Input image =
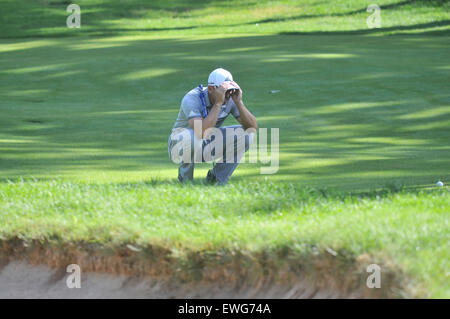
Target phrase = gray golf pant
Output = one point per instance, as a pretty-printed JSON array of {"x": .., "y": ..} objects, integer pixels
[{"x": 223, "y": 170}]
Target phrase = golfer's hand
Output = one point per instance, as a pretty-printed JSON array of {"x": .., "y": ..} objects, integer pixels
[
  {"x": 219, "y": 94},
  {"x": 237, "y": 96}
]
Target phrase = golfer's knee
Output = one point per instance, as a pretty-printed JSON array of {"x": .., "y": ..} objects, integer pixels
[{"x": 183, "y": 146}]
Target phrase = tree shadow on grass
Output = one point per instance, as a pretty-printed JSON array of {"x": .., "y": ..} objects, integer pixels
[
  {"x": 419, "y": 26},
  {"x": 349, "y": 107},
  {"x": 394, "y": 5},
  {"x": 101, "y": 18}
]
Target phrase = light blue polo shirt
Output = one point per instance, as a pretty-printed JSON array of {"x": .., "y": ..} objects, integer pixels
[{"x": 191, "y": 107}]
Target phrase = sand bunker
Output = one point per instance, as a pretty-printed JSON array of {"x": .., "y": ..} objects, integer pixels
[{"x": 21, "y": 280}]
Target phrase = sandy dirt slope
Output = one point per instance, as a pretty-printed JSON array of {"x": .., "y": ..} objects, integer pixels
[{"x": 21, "y": 280}]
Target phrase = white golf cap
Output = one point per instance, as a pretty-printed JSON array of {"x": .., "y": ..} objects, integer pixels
[{"x": 219, "y": 76}]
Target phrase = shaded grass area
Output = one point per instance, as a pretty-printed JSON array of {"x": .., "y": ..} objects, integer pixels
[
  {"x": 408, "y": 229},
  {"x": 47, "y": 18},
  {"x": 354, "y": 112}
]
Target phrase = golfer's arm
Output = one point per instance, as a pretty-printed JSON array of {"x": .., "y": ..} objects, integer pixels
[
  {"x": 207, "y": 122},
  {"x": 246, "y": 119}
]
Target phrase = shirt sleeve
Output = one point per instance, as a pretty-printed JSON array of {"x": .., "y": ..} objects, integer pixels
[
  {"x": 191, "y": 108},
  {"x": 235, "y": 111}
]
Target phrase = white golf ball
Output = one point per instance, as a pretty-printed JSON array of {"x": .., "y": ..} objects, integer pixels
[{"x": 439, "y": 184}]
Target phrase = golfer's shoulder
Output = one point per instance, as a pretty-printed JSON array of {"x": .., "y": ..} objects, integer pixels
[{"x": 191, "y": 98}]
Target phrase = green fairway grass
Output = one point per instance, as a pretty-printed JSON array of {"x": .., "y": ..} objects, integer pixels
[
  {"x": 407, "y": 229},
  {"x": 43, "y": 18},
  {"x": 364, "y": 120},
  {"x": 354, "y": 112}
]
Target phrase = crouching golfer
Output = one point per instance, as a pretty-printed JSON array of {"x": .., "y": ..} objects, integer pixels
[{"x": 202, "y": 110}]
